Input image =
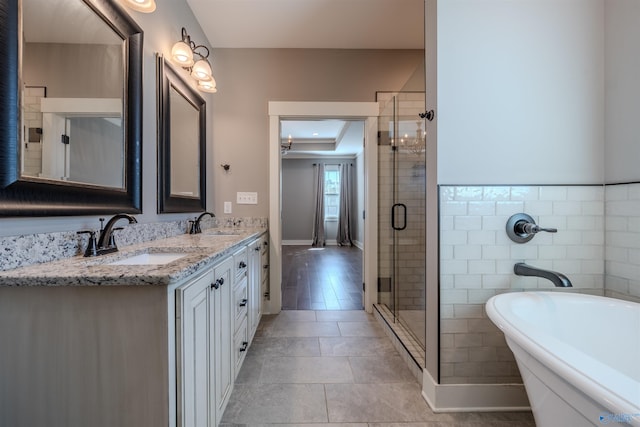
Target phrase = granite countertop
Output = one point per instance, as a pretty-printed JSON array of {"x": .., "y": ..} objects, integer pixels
[{"x": 200, "y": 249}]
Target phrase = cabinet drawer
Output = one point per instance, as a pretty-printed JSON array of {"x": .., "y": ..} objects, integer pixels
[
  {"x": 240, "y": 302},
  {"x": 240, "y": 264},
  {"x": 241, "y": 343}
]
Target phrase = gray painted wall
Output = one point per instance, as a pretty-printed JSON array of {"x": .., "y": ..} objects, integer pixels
[
  {"x": 238, "y": 123},
  {"x": 298, "y": 202}
]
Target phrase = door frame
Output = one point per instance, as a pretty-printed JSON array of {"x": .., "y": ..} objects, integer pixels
[{"x": 365, "y": 111}]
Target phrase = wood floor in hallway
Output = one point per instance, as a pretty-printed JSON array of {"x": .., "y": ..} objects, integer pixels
[{"x": 328, "y": 278}]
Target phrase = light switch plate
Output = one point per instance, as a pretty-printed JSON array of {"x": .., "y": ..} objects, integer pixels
[
  {"x": 227, "y": 207},
  {"x": 247, "y": 198}
]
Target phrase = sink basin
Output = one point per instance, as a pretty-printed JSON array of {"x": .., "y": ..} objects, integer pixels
[{"x": 149, "y": 259}]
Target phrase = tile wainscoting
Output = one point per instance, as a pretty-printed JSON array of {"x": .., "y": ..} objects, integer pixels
[
  {"x": 622, "y": 247},
  {"x": 477, "y": 258}
]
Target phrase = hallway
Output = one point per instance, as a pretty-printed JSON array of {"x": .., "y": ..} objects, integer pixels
[
  {"x": 335, "y": 368},
  {"x": 328, "y": 278}
]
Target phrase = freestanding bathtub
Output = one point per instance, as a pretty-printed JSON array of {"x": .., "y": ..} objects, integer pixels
[{"x": 579, "y": 355}]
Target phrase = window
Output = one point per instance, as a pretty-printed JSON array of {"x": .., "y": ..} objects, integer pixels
[{"x": 331, "y": 192}]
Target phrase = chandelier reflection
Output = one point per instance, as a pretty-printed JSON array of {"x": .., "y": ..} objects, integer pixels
[{"x": 416, "y": 144}]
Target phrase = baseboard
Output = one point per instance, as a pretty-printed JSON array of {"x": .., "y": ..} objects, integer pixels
[
  {"x": 333, "y": 242},
  {"x": 358, "y": 244},
  {"x": 473, "y": 397}
]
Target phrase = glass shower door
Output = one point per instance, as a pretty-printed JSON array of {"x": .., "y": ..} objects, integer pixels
[{"x": 402, "y": 198}]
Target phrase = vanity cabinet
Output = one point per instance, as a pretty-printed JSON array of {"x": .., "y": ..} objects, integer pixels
[
  {"x": 258, "y": 274},
  {"x": 213, "y": 332},
  {"x": 140, "y": 354},
  {"x": 204, "y": 359},
  {"x": 240, "y": 303}
]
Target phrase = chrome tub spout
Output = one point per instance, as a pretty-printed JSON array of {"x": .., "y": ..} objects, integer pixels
[{"x": 558, "y": 279}]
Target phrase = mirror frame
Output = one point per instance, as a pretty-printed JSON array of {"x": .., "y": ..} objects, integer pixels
[
  {"x": 168, "y": 203},
  {"x": 27, "y": 196}
]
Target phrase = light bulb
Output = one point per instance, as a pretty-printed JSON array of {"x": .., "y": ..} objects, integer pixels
[
  {"x": 145, "y": 6},
  {"x": 208, "y": 85},
  {"x": 182, "y": 54},
  {"x": 201, "y": 70}
]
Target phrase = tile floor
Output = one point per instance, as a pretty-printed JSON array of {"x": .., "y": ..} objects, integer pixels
[{"x": 335, "y": 368}]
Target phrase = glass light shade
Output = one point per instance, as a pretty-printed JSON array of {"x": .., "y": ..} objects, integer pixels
[
  {"x": 145, "y": 6},
  {"x": 202, "y": 70},
  {"x": 182, "y": 54},
  {"x": 208, "y": 86}
]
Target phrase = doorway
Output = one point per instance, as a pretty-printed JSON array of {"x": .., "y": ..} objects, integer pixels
[
  {"x": 322, "y": 195},
  {"x": 366, "y": 112}
]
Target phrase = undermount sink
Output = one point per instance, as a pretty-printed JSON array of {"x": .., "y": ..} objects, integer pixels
[{"x": 149, "y": 259}]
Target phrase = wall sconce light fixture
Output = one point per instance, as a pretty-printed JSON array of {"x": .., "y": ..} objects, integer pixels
[
  {"x": 183, "y": 52},
  {"x": 144, "y": 6}
]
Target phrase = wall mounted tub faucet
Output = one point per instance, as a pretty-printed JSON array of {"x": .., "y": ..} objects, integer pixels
[
  {"x": 558, "y": 279},
  {"x": 521, "y": 228}
]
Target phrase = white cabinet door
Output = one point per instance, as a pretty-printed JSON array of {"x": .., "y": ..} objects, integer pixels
[
  {"x": 221, "y": 326},
  {"x": 192, "y": 357},
  {"x": 254, "y": 291}
]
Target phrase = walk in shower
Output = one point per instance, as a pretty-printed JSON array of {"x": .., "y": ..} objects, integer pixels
[{"x": 401, "y": 225}]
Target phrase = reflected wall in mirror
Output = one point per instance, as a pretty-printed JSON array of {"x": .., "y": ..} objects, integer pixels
[
  {"x": 181, "y": 143},
  {"x": 71, "y": 134}
]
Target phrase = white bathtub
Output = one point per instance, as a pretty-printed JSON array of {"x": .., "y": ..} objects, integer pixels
[{"x": 579, "y": 355}]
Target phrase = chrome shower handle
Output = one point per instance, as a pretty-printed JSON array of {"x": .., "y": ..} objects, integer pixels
[
  {"x": 525, "y": 227},
  {"x": 521, "y": 228}
]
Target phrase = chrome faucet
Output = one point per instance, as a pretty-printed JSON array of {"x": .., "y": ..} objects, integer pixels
[
  {"x": 106, "y": 242},
  {"x": 195, "y": 224},
  {"x": 558, "y": 279}
]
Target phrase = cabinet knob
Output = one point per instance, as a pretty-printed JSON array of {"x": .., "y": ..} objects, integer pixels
[
  {"x": 242, "y": 265},
  {"x": 257, "y": 248},
  {"x": 217, "y": 283},
  {"x": 245, "y": 344},
  {"x": 265, "y": 266},
  {"x": 243, "y": 303}
]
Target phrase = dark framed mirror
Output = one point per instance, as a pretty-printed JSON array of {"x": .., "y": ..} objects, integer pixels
[
  {"x": 70, "y": 108},
  {"x": 181, "y": 143}
]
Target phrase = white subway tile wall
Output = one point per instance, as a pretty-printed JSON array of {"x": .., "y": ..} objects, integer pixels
[
  {"x": 622, "y": 254},
  {"x": 477, "y": 258}
]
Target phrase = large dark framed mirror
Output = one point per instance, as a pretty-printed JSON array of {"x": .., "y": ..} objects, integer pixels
[
  {"x": 181, "y": 143},
  {"x": 70, "y": 108}
]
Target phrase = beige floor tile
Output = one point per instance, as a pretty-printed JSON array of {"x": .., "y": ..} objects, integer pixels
[
  {"x": 398, "y": 402},
  {"x": 284, "y": 346},
  {"x": 302, "y": 329},
  {"x": 250, "y": 371},
  {"x": 387, "y": 369},
  {"x": 356, "y": 346},
  {"x": 344, "y": 316},
  {"x": 310, "y": 370},
  {"x": 276, "y": 403},
  {"x": 360, "y": 329}
]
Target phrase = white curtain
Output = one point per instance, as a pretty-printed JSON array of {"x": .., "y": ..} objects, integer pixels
[
  {"x": 344, "y": 218},
  {"x": 318, "y": 238}
]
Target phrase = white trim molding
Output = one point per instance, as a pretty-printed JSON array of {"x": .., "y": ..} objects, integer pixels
[
  {"x": 473, "y": 397},
  {"x": 367, "y": 111}
]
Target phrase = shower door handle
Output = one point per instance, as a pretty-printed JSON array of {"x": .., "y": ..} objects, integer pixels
[{"x": 404, "y": 216}]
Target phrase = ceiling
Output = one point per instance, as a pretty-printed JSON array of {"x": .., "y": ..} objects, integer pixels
[
  {"x": 314, "y": 24},
  {"x": 326, "y": 137},
  {"x": 321, "y": 24}
]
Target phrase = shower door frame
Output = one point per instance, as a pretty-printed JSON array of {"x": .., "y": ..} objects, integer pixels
[{"x": 397, "y": 203}]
